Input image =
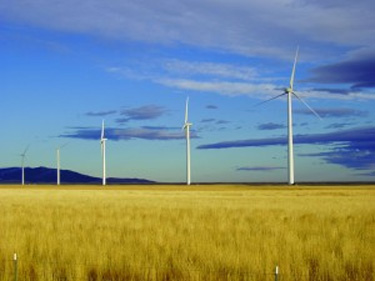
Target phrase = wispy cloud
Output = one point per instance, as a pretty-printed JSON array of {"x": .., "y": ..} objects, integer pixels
[
  {"x": 338, "y": 125},
  {"x": 222, "y": 25},
  {"x": 146, "y": 112},
  {"x": 221, "y": 122},
  {"x": 262, "y": 88},
  {"x": 260, "y": 169},
  {"x": 337, "y": 91},
  {"x": 361, "y": 134},
  {"x": 161, "y": 128},
  {"x": 211, "y": 106},
  {"x": 334, "y": 112},
  {"x": 117, "y": 134},
  {"x": 270, "y": 126},
  {"x": 208, "y": 120},
  {"x": 101, "y": 113},
  {"x": 227, "y": 80},
  {"x": 367, "y": 174},
  {"x": 353, "y": 155},
  {"x": 358, "y": 72},
  {"x": 209, "y": 69},
  {"x": 352, "y": 148},
  {"x": 222, "y": 87}
]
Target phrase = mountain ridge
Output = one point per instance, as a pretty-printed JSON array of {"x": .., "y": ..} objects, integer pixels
[{"x": 45, "y": 175}]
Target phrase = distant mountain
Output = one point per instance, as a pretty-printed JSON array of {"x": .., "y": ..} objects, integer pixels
[{"x": 48, "y": 175}]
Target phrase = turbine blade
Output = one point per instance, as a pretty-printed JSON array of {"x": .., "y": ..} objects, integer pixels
[
  {"x": 23, "y": 157},
  {"x": 308, "y": 106},
  {"x": 102, "y": 134},
  {"x": 65, "y": 144},
  {"x": 186, "y": 109},
  {"x": 294, "y": 70},
  {"x": 26, "y": 149},
  {"x": 268, "y": 100}
]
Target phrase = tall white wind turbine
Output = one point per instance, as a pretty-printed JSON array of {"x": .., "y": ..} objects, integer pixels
[
  {"x": 23, "y": 156},
  {"x": 102, "y": 145},
  {"x": 186, "y": 127},
  {"x": 58, "y": 162},
  {"x": 289, "y": 92}
]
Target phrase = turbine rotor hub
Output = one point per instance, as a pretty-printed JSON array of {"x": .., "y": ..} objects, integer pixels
[{"x": 288, "y": 90}]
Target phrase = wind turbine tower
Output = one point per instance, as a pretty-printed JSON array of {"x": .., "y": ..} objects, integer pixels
[
  {"x": 102, "y": 145},
  {"x": 23, "y": 156},
  {"x": 186, "y": 127},
  {"x": 289, "y": 92},
  {"x": 58, "y": 163}
]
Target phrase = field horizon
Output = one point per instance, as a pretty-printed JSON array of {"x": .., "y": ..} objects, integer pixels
[{"x": 196, "y": 185}]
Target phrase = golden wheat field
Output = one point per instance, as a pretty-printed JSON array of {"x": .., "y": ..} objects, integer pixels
[{"x": 208, "y": 232}]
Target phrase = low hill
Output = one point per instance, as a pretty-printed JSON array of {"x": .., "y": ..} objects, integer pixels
[{"x": 43, "y": 175}]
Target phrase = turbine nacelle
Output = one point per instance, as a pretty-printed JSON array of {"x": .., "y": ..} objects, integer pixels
[
  {"x": 187, "y": 124},
  {"x": 288, "y": 90},
  {"x": 23, "y": 154}
]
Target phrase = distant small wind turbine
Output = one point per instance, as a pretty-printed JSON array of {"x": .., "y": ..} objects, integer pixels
[
  {"x": 290, "y": 92},
  {"x": 58, "y": 162},
  {"x": 186, "y": 127},
  {"x": 23, "y": 156},
  {"x": 102, "y": 145}
]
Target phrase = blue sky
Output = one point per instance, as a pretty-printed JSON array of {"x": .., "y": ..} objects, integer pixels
[{"x": 66, "y": 65}]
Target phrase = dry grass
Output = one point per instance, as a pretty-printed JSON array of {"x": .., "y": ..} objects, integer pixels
[{"x": 180, "y": 233}]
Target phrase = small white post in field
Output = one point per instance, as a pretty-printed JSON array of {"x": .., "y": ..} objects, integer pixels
[
  {"x": 15, "y": 261},
  {"x": 277, "y": 273}
]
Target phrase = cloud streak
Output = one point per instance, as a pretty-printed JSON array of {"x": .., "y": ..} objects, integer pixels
[
  {"x": 334, "y": 112},
  {"x": 146, "y": 112},
  {"x": 261, "y": 89},
  {"x": 118, "y": 134},
  {"x": 225, "y": 79},
  {"x": 358, "y": 71},
  {"x": 352, "y": 148},
  {"x": 208, "y": 120},
  {"x": 223, "y": 25},
  {"x": 100, "y": 113},
  {"x": 352, "y": 155},
  {"x": 362, "y": 135},
  {"x": 270, "y": 126},
  {"x": 209, "y": 69},
  {"x": 260, "y": 169},
  {"x": 338, "y": 125},
  {"x": 222, "y": 87},
  {"x": 211, "y": 106}
]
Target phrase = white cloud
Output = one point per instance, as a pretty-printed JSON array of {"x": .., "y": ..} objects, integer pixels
[
  {"x": 222, "y": 87},
  {"x": 259, "y": 91},
  {"x": 252, "y": 27},
  {"x": 224, "y": 79},
  {"x": 210, "y": 69},
  {"x": 351, "y": 95}
]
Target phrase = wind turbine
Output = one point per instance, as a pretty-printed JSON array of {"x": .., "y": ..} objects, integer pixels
[
  {"x": 58, "y": 162},
  {"x": 102, "y": 145},
  {"x": 186, "y": 127},
  {"x": 289, "y": 92},
  {"x": 23, "y": 156}
]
